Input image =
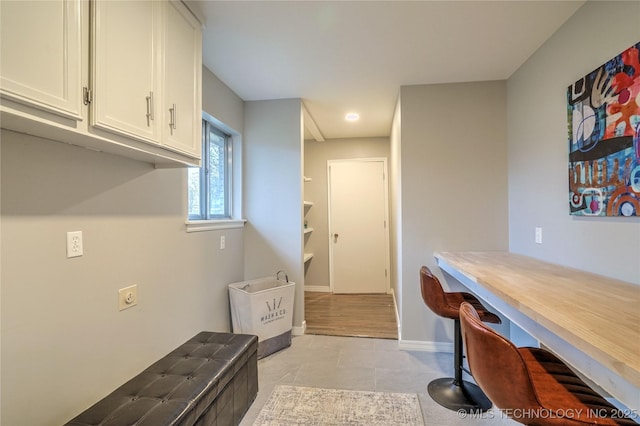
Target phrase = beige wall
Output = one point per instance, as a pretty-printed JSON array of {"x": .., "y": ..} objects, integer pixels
[
  {"x": 226, "y": 110},
  {"x": 395, "y": 209},
  {"x": 64, "y": 343},
  {"x": 273, "y": 193},
  {"x": 316, "y": 155},
  {"x": 454, "y": 186},
  {"x": 221, "y": 102},
  {"x": 538, "y": 147}
]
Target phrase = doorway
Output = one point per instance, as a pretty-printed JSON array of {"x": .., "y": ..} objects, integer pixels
[
  {"x": 354, "y": 315},
  {"x": 358, "y": 226}
]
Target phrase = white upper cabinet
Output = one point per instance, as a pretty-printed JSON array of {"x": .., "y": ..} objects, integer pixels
[
  {"x": 125, "y": 68},
  {"x": 117, "y": 76},
  {"x": 182, "y": 77},
  {"x": 147, "y": 65},
  {"x": 40, "y": 61}
]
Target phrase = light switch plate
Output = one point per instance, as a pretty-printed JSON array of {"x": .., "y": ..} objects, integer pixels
[{"x": 538, "y": 235}]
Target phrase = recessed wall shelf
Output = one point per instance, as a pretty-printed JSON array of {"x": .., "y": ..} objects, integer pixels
[{"x": 306, "y": 232}]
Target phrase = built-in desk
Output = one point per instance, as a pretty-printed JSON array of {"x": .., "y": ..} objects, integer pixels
[{"x": 590, "y": 321}]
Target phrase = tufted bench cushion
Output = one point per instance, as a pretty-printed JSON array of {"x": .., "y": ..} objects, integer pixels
[{"x": 211, "y": 379}]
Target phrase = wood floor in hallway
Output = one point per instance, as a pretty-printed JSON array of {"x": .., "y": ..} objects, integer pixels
[{"x": 359, "y": 315}]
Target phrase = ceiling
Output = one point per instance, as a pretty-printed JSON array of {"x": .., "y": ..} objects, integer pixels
[{"x": 353, "y": 56}]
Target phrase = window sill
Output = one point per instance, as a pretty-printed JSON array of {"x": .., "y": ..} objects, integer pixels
[{"x": 214, "y": 225}]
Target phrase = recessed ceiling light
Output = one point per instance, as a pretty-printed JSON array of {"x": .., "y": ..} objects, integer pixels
[{"x": 352, "y": 116}]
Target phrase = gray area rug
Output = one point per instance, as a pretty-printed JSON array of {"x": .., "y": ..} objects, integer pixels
[{"x": 294, "y": 405}]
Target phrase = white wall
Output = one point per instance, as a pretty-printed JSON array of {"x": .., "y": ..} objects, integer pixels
[
  {"x": 395, "y": 209},
  {"x": 538, "y": 147},
  {"x": 221, "y": 102},
  {"x": 273, "y": 155},
  {"x": 226, "y": 110},
  {"x": 65, "y": 345},
  {"x": 454, "y": 186},
  {"x": 64, "y": 342},
  {"x": 316, "y": 155}
]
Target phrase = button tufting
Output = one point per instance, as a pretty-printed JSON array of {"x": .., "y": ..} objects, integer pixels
[{"x": 188, "y": 359}]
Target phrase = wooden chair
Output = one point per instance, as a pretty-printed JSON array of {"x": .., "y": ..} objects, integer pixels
[
  {"x": 453, "y": 392},
  {"x": 531, "y": 385}
]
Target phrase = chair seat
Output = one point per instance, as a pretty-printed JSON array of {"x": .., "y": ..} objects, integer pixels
[
  {"x": 453, "y": 392},
  {"x": 564, "y": 397},
  {"x": 455, "y": 299},
  {"x": 531, "y": 385}
]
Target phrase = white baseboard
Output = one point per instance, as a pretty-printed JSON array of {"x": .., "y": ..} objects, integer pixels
[
  {"x": 299, "y": 331},
  {"x": 317, "y": 288},
  {"x": 417, "y": 345},
  {"x": 395, "y": 307}
]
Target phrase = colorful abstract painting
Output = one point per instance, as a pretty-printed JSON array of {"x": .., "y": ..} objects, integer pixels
[{"x": 603, "y": 114}]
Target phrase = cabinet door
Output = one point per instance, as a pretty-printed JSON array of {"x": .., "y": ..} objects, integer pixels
[
  {"x": 40, "y": 55},
  {"x": 125, "y": 56},
  {"x": 182, "y": 80}
]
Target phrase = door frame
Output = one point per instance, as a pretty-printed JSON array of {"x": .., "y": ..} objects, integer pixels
[{"x": 387, "y": 253}]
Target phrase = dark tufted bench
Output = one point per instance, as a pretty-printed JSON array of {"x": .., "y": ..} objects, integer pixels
[{"x": 211, "y": 379}]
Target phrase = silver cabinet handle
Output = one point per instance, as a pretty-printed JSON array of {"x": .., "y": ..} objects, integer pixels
[
  {"x": 174, "y": 115},
  {"x": 149, "y": 108}
]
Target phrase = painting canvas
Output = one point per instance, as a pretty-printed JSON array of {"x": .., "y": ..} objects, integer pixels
[{"x": 603, "y": 114}]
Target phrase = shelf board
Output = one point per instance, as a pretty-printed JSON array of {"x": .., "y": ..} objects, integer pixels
[
  {"x": 308, "y": 203},
  {"x": 307, "y": 179},
  {"x": 307, "y": 257},
  {"x": 308, "y": 230}
]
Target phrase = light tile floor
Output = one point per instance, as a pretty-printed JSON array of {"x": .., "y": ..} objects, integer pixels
[{"x": 362, "y": 364}]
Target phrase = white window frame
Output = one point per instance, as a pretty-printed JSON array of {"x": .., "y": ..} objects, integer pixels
[{"x": 228, "y": 221}]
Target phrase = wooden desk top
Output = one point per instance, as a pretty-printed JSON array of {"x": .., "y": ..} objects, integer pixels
[{"x": 598, "y": 315}]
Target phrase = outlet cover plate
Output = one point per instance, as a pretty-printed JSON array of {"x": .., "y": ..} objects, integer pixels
[
  {"x": 127, "y": 297},
  {"x": 74, "y": 244}
]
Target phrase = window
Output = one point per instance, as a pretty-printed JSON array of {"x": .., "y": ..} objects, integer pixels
[{"x": 209, "y": 186}]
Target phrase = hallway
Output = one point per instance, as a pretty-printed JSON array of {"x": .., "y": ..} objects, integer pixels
[{"x": 356, "y": 315}]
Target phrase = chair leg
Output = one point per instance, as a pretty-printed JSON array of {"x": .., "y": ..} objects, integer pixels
[
  {"x": 457, "y": 353},
  {"x": 455, "y": 393}
]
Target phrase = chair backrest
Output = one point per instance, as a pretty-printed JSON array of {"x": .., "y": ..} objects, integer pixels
[
  {"x": 496, "y": 363},
  {"x": 433, "y": 294}
]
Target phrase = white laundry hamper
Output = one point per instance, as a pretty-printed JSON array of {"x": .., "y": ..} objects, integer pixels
[{"x": 264, "y": 307}]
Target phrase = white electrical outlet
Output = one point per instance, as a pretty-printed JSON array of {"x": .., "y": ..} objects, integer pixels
[
  {"x": 127, "y": 297},
  {"x": 74, "y": 244},
  {"x": 223, "y": 242},
  {"x": 538, "y": 235}
]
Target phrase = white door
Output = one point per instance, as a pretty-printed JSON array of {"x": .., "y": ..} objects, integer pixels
[{"x": 358, "y": 246}]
